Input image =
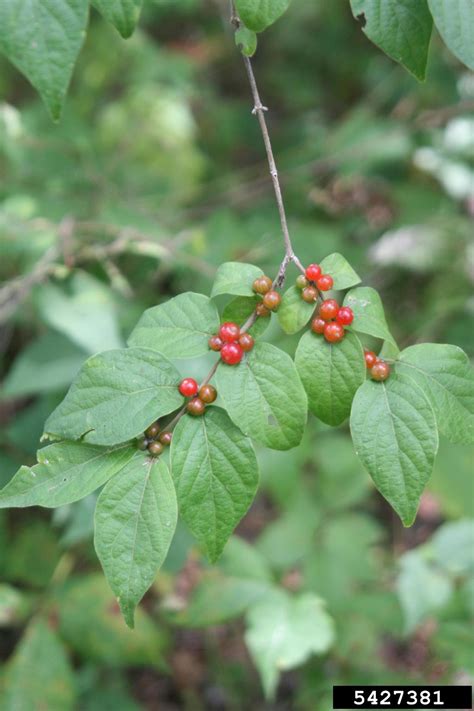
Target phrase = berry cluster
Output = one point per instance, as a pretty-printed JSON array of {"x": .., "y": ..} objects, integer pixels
[
  {"x": 200, "y": 396},
  {"x": 231, "y": 343},
  {"x": 271, "y": 299},
  {"x": 312, "y": 282},
  {"x": 331, "y": 320},
  {"x": 378, "y": 368},
  {"x": 155, "y": 440}
]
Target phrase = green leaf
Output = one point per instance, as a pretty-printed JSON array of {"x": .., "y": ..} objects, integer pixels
[
  {"x": 369, "y": 316},
  {"x": 66, "y": 472},
  {"x": 453, "y": 547},
  {"x": 47, "y": 364},
  {"x": 116, "y": 396},
  {"x": 35, "y": 555},
  {"x": 401, "y": 28},
  {"x": 122, "y": 14},
  {"x": 179, "y": 328},
  {"x": 264, "y": 397},
  {"x": 135, "y": 520},
  {"x": 239, "y": 309},
  {"x": 447, "y": 378},
  {"x": 341, "y": 271},
  {"x": 331, "y": 374},
  {"x": 257, "y": 15},
  {"x": 283, "y": 632},
  {"x": 39, "y": 675},
  {"x": 455, "y": 23},
  {"x": 246, "y": 41},
  {"x": 242, "y": 560},
  {"x": 294, "y": 313},
  {"x": 395, "y": 436},
  {"x": 421, "y": 589},
  {"x": 235, "y": 278},
  {"x": 216, "y": 475},
  {"x": 42, "y": 38}
]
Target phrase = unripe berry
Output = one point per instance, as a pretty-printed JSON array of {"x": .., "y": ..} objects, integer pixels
[
  {"x": 152, "y": 431},
  {"x": 272, "y": 300},
  {"x": 196, "y": 407},
  {"x": 231, "y": 353},
  {"x": 215, "y": 343},
  {"x": 165, "y": 438},
  {"x": 188, "y": 387},
  {"x": 329, "y": 309},
  {"x": 229, "y": 332},
  {"x": 207, "y": 393},
  {"x": 155, "y": 448},
  {"x": 301, "y": 282},
  {"x": 262, "y": 284},
  {"x": 313, "y": 272},
  {"x": 309, "y": 294},
  {"x": 325, "y": 282},
  {"x": 318, "y": 325},
  {"x": 246, "y": 342},
  {"x": 333, "y": 332},
  {"x": 370, "y": 358},
  {"x": 345, "y": 316},
  {"x": 143, "y": 444},
  {"x": 261, "y": 310},
  {"x": 380, "y": 371}
]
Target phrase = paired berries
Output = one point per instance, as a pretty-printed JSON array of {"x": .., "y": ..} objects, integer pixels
[
  {"x": 154, "y": 440},
  {"x": 231, "y": 343},
  {"x": 188, "y": 387},
  {"x": 312, "y": 282},
  {"x": 378, "y": 368},
  {"x": 262, "y": 285},
  {"x": 370, "y": 358},
  {"x": 197, "y": 406},
  {"x": 271, "y": 299},
  {"x": 331, "y": 320}
]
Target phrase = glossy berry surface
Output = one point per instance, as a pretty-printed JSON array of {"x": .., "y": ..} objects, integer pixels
[
  {"x": 188, "y": 387},
  {"x": 333, "y": 332},
  {"x": 309, "y": 294},
  {"x": 246, "y": 342},
  {"x": 262, "y": 285},
  {"x": 325, "y": 282},
  {"x": 142, "y": 444},
  {"x": 380, "y": 371},
  {"x": 207, "y": 393},
  {"x": 165, "y": 438},
  {"x": 261, "y": 310},
  {"x": 345, "y": 316},
  {"x": 313, "y": 272},
  {"x": 370, "y": 358},
  {"x": 229, "y": 332},
  {"x": 232, "y": 353},
  {"x": 155, "y": 448},
  {"x": 215, "y": 343},
  {"x": 152, "y": 431},
  {"x": 196, "y": 407},
  {"x": 272, "y": 300},
  {"x": 301, "y": 282},
  {"x": 329, "y": 309},
  {"x": 318, "y": 325}
]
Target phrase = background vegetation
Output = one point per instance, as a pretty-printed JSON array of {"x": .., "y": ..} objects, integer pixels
[{"x": 155, "y": 175}]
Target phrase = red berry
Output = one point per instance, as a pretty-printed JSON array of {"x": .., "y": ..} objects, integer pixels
[
  {"x": 309, "y": 294},
  {"x": 318, "y": 325},
  {"x": 261, "y": 310},
  {"x": 215, "y": 343},
  {"x": 188, "y": 387},
  {"x": 196, "y": 407},
  {"x": 380, "y": 371},
  {"x": 272, "y": 300},
  {"x": 246, "y": 342},
  {"x": 345, "y": 316},
  {"x": 313, "y": 272},
  {"x": 325, "y": 282},
  {"x": 207, "y": 393},
  {"x": 370, "y": 358},
  {"x": 232, "y": 353},
  {"x": 229, "y": 332},
  {"x": 155, "y": 448},
  {"x": 262, "y": 284},
  {"x": 329, "y": 309},
  {"x": 333, "y": 332},
  {"x": 165, "y": 438}
]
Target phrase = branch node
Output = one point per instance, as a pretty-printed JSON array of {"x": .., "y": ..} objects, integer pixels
[{"x": 259, "y": 107}]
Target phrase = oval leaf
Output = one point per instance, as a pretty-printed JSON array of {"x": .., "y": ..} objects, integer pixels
[
  {"x": 216, "y": 475},
  {"x": 447, "y": 378},
  {"x": 341, "y": 271},
  {"x": 135, "y": 521},
  {"x": 116, "y": 396},
  {"x": 235, "y": 278},
  {"x": 179, "y": 328},
  {"x": 394, "y": 433},
  {"x": 455, "y": 23},
  {"x": 246, "y": 41},
  {"x": 264, "y": 397},
  {"x": 122, "y": 14},
  {"x": 369, "y": 316},
  {"x": 260, "y": 14},
  {"x": 294, "y": 313},
  {"x": 331, "y": 374},
  {"x": 66, "y": 472}
]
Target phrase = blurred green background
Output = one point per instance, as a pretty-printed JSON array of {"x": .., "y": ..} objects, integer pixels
[{"x": 155, "y": 175}]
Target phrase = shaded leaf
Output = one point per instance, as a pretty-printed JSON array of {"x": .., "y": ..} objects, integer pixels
[
  {"x": 260, "y": 14},
  {"x": 122, "y": 14},
  {"x": 455, "y": 23},
  {"x": 235, "y": 278},
  {"x": 294, "y": 313},
  {"x": 239, "y": 309}
]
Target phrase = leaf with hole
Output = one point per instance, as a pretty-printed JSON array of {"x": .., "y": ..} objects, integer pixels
[{"x": 369, "y": 316}]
